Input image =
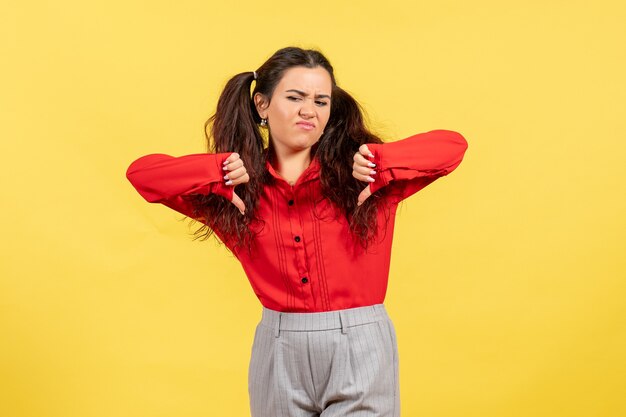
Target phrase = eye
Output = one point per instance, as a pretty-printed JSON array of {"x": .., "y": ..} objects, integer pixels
[
  {"x": 321, "y": 103},
  {"x": 292, "y": 98}
]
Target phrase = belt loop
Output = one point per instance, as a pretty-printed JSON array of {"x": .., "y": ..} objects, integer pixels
[
  {"x": 344, "y": 322},
  {"x": 380, "y": 311},
  {"x": 277, "y": 328}
]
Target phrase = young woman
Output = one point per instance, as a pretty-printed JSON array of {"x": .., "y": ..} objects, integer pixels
[{"x": 305, "y": 196}]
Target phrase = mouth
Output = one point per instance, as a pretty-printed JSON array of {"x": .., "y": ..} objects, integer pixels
[{"x": 306, "y": 125}]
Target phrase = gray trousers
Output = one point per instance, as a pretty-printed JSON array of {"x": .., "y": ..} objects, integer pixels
[{"x": 328, "y": 364}]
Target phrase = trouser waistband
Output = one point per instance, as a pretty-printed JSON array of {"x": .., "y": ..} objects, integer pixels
[{"x": 326, "y": 320}]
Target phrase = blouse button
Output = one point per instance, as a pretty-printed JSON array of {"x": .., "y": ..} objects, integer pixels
[
  {"x": 290, "y": 202},
  {"x": 297, "y": 238},
  {"x": 305, "y": 280}
]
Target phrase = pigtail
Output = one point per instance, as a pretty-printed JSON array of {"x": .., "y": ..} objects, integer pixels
[
  {"x": 344, "y": 134},
  {"x": 233, "y": 128}
]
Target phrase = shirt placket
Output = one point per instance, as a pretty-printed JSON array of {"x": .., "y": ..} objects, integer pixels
[{"x": 303, "y": 279}]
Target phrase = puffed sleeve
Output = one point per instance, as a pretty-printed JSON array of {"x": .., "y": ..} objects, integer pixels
[
  {"x": 166, "y": 179},
  {"x": 410, "y": 164}
]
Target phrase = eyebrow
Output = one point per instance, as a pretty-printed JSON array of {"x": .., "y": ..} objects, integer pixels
[{"x": 302, "y": 93}]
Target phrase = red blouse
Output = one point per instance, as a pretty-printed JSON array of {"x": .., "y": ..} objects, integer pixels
[{"x": 306, "y": 260}]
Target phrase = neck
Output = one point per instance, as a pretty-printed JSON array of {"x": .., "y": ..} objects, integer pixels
[{"x": 289, "y": 164}]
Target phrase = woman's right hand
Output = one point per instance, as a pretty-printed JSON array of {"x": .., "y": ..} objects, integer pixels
[
  {"x": 235, "y": 173},
  {"x": 362, "y": 169}
]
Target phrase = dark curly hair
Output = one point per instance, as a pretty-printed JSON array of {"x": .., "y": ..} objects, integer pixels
[{"x": 234, "y": 128}]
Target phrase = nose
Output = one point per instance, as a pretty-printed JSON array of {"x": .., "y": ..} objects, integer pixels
[{"x": 307, "y": 109}]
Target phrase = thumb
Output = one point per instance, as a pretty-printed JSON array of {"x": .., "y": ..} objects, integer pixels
[
  {"x": 238, "y": 202},
  {"x": 367, "y": 191}
]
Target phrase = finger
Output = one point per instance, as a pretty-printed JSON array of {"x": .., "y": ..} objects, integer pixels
[
  {"x": 238, "y": 202},
  {"x": 241, "y": 180},
  {"x": 361, "y": 177},
  {"x": 364, "y": 170},
  {"x": 233, "y": 165},
  {"x": 364, "y": 150},
  {"x": 361, "y": 160},
  {"x": 232, "y": 157},
  {"x": 236, "y": 173},
  {"x": 364, "y": 195}
]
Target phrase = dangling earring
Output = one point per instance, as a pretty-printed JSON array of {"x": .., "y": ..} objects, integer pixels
[{"x": 263, "y": 122}]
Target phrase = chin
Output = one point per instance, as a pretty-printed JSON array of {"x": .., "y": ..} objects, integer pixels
[
  {"x": 305, "y": 143},
  {"x": 299, "y": 142}
]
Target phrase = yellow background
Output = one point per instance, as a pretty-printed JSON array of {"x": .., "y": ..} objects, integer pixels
[{"x": 507, "y": 282}]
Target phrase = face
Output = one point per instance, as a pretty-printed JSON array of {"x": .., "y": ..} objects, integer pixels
[{"x": 298, "y": 110}]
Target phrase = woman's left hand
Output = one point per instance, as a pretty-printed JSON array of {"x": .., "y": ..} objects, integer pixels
[{"x": 363, "y": 170}]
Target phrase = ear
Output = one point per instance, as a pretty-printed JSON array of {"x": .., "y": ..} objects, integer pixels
[{"x": 261, "y": 103}]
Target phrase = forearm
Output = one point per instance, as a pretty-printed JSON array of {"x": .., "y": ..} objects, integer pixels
[
  {"x": 160, "y": 177},
  {"x": 431, "y": 154}
]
